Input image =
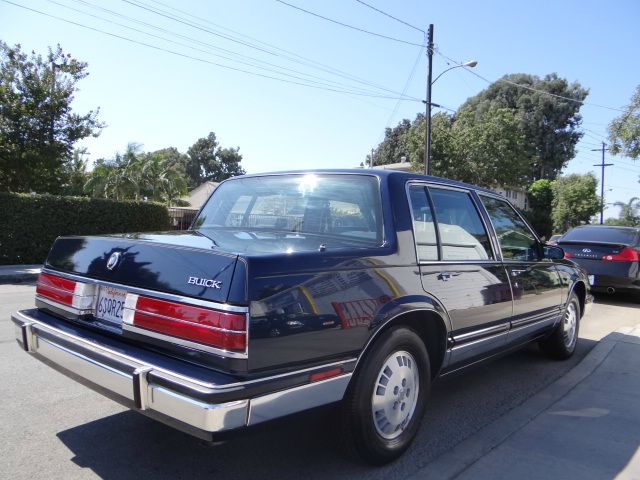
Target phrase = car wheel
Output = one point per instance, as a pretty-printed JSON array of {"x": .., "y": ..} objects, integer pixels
[
  {"x": 562, "y": 342},
  {"x": 386, "y": 399}
]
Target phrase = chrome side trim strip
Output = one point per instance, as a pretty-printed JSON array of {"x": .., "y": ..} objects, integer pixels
[
  {"x": 151, "y": 293},
  {"x": 185, "y": 343},
  {"x": 519, "y": 328},
  {"x": 475, "y": 343},
  {"x": 535, "y": 319},
  {"x": 297, "y": 399},
  {"x": 483, "y": 332}
]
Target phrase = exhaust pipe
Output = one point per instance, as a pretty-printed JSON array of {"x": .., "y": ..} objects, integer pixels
[{"x": 611, "y": 290}]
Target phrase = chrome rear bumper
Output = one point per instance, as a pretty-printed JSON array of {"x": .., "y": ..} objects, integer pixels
[{"x": 135, "y": 383}]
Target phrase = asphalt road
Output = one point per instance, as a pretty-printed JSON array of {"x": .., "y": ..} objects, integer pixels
[{"x": 51, "y": 427}]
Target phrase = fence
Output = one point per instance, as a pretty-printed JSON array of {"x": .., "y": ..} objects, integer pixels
[{"x": 181, "y": 217}]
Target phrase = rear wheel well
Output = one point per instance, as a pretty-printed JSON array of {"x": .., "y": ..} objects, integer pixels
[
  {"x": 581, "y": 292},
  {"x": 431, "y": 330}
]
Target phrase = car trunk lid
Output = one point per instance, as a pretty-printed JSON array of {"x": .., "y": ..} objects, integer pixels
[{"x": 185, "y": 264}]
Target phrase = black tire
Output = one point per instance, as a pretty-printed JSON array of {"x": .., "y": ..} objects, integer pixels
[
  {"x": 382, "y": 436},
  {"x": 562, "y": 342}
]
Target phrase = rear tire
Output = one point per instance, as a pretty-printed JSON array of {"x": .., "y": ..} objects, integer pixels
[
  {"x": 387, "y": 398},
  {"x": 562, "y": 342}
]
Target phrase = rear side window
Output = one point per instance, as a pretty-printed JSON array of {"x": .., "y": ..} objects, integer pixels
[
  {"x": 517, "y": 242},
  {"x": 462, "y": 234},
  {"x": 424, "y": 228}
]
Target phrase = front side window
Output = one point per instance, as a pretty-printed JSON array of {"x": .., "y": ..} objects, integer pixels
[
  {"x": 297, "y": 212},
  {"x": 517, "y": 242},
  {"x": 462, "y": 234}
]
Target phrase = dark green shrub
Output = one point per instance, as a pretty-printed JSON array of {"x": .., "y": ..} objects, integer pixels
[{"x": 30, "y": 223}]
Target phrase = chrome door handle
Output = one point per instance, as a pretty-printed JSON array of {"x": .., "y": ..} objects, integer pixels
[
  {"x": 447, "y": 275},
  {"x": 516, "y": 272}
]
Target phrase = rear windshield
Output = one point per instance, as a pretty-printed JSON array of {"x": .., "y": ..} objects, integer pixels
[
  {"x": 600, "y": 234},
  {"x": 296, "y": 212}
]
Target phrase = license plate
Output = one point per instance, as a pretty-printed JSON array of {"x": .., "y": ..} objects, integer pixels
[
  {"x": 592, "y": 279},
  {"x": 110, "y": 305}
]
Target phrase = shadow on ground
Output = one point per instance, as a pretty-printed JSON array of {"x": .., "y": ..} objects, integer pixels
[{"x": 129, "y": 445}]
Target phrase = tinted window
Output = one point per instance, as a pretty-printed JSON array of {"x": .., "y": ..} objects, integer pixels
[
  {"x": 294, "y": 212},
  {"x": 601, "y": 234},
  {"x": 462, "y": 234},
  {"x": 423, "y": 226},
  {"x": 517, "y": 242}
]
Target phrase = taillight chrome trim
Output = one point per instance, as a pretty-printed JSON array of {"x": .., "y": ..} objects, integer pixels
[
  {"x": 128, "y": 324},
  {"x": 179, "y": 320},
  {"x": 152, "y": 293},
  {"x": 186, "y": 343},
  {"x": 135, "y": 291}
]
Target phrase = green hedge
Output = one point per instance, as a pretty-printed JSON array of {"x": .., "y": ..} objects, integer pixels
[{"x": 30, "y": 223}]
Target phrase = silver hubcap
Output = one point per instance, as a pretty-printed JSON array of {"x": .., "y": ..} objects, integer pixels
[
  {"x": 569, "y": 325},
  {"x": 395, "y": 394}
]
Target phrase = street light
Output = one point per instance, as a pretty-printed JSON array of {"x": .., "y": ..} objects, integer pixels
[{"x": 469, "y": 64}]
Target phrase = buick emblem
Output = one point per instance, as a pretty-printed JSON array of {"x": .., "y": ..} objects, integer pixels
[
  {"x": 205, "y": 282},
  {"x": 586, "y": 250},
  {"x": 113, "y": 260}
]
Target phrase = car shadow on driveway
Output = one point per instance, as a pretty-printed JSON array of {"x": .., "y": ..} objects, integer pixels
[
  {"x": 130, "y": 445},
  {"x": 618, "y": 299}
]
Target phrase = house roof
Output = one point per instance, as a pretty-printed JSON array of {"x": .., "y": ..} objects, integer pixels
[{"x": 199, "y": 195}]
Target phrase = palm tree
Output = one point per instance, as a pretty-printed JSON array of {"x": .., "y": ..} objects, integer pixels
[{"x": 629, "y": 212}]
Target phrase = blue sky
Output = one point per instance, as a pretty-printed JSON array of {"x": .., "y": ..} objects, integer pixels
[{"x": 161, "y": 99}]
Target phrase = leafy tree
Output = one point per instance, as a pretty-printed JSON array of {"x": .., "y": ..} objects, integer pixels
[
  {"x": 490, "y": 150},
  {"x": 75, "y": 173},
  {"x": 209, "y": 161},
  {"x": 624, "y": 131},
  {"x": 394, "y": 145},
  {"x": 442, "y": 147},
  {"x": 550, "y": 124},
  {"x": 574, "y": 201},
  {"x": 38, "y": 128},
  {"x": 629, "y": 213},
  {"x": 135, "y": 175},
  {"x": 540, "y": 206},
  {"x": 163, "y": 179}
]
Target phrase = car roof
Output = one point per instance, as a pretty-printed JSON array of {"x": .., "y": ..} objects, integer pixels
[
  {"x": 610, "y": 227},
  {"x": 381, "y": 173}
]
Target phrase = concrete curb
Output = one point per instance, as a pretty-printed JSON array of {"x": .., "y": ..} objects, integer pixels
[{"x": 469, "y": 451}]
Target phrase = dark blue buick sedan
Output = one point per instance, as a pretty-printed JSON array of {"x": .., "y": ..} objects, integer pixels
[{"x": 299, "y": 289}]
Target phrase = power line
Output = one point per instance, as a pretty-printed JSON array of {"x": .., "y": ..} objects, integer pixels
[
  {"x": 313, "y": 79},
  {"x": 289, "y": 54},
  {"x": 143, "y": 6},
  {"x": 155, "y": 47},
  {"x": 349, "y": 26},
  {"x": 526, "y": 87},
  {"x": 406, "y": 86},
  {"x": 391, "y": 16}
]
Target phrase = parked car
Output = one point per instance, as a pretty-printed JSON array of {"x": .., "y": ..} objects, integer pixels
[
  {"x": 388, "y": 280},
  {"x": 553, "y": 239},
  {"x": 610, "y": 255}
]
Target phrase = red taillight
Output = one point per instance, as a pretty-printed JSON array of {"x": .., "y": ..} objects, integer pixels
[
  {"x": 624, "y": 255},
  {"x": 56, "y": 288},
  {"x": 222, "y": 330},
  {"x": 567, "y": 255}
]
